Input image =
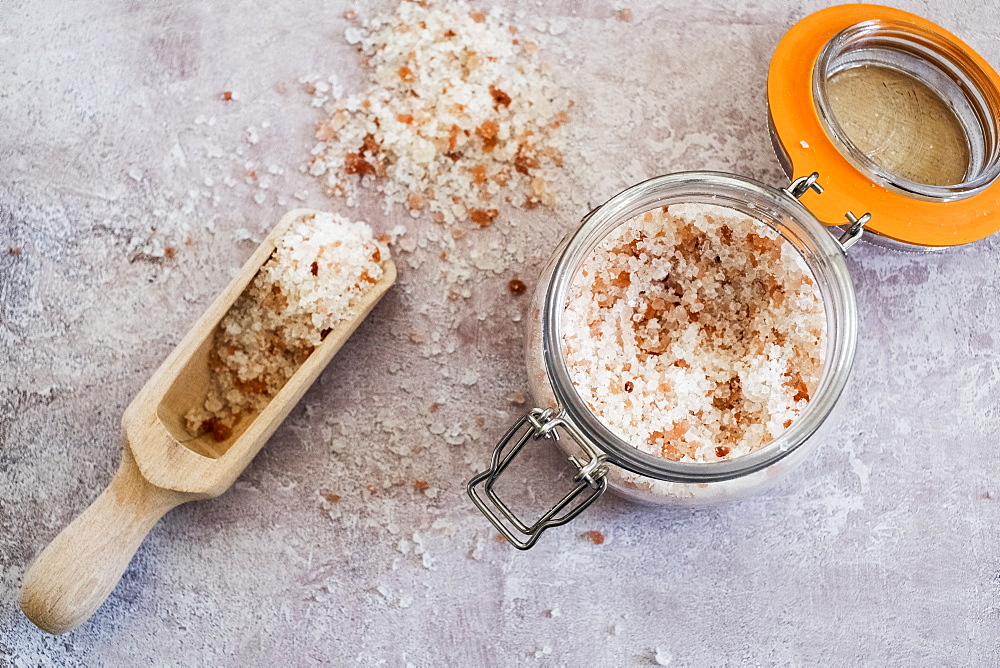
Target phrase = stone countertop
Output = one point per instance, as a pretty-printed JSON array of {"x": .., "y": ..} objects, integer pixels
[{"x": 115, "y": 145}]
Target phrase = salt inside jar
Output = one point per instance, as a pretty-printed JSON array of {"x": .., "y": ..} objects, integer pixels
[{"x": 694, "y": 332}]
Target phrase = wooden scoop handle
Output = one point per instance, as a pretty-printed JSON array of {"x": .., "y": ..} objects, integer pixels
[{"x": 76, "y": 571}]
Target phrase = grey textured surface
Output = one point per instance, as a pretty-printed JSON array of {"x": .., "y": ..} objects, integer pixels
[{"x": 884, "y": 548}]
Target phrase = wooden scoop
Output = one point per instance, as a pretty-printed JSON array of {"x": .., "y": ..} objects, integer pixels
[{"x": 162, "y": 465}]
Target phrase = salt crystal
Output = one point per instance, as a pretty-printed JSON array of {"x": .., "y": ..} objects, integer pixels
[
  {"x": 454, "y": 436},
  {"x": 477, "y": 549},
  {"x": 353, "y": 35}
]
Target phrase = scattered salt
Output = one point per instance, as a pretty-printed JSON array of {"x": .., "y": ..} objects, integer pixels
[
  {"x": 662, "y": 657},
  {"x": 457, "y": 110}
]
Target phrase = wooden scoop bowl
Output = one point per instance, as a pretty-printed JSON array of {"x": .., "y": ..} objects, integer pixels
[{"x": 162, "y": 465}]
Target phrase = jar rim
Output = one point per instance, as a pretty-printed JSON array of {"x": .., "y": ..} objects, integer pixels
[{"x": 798, "y": 225}]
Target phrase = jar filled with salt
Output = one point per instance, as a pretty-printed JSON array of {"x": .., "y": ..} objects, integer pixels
[{"x": 690, "y": 340}]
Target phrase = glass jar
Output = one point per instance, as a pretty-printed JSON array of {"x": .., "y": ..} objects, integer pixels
[
  {"x": 807, "y": 129},
  {"x": 603, "y": 460}
]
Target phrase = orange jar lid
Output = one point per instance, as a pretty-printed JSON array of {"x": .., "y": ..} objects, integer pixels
[{"x": 921, "y": 214}]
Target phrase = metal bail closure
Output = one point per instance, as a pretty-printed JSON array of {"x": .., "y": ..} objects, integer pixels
[
  {"x": 855, "y": 229},
  {"x": 855, "y": 226},
  {"x": 590, "y": 478},
  {"x": 802, "y": 185}
]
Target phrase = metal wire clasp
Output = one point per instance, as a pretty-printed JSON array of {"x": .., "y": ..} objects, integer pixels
[
  {"x": 802, "y": 185},
  {"x": 590, "y": 477},
  {"x": 855, "y": 229},
  {"x": 855, "y": 226}
]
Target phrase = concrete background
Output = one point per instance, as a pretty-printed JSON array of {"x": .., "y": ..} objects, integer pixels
[{"x": 114, "y": 144}]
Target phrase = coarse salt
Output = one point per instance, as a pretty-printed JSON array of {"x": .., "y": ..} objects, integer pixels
[
  {"x": 695, "y": 333},
  {"x": 458, "y": 114},
  {"x": 320, "y": 269}
]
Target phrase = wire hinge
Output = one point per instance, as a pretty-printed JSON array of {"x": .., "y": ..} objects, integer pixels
[
  {"x": 804, "y": 184},
  {"x": 855, "y": 229}
]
